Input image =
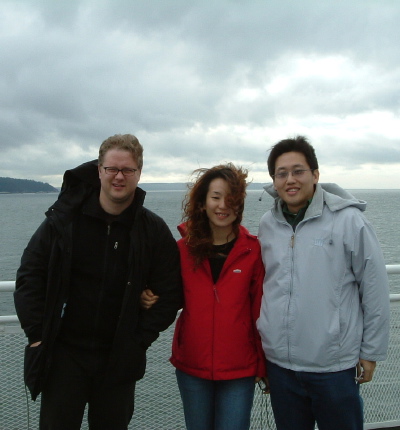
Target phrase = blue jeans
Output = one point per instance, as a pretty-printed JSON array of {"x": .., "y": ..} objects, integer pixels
[
  {"x": 299, "y": 399},
  {"x": 216, "y": 405}
]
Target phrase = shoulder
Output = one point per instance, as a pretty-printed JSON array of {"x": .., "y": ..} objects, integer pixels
[
  {"x": 151, "y": 228},
  {"x": 152, "y": 219},
  {"x": 267, "y": 216},
  {"x": 245, "y": 235},
  {"x": 349, "y": 215},
  {"x": 247, "y": 240},
  {"x": 182, "y": 245}
]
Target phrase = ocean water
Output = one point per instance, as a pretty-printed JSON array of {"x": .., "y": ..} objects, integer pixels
[{"x": 21, "y": 214}]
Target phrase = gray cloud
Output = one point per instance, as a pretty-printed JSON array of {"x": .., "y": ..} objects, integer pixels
[{"x": 197, "y": 82}]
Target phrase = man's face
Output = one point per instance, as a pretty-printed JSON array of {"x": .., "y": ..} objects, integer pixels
[
  {"x": 295, "y": 190},
  {"x": 117, "y": 191}
]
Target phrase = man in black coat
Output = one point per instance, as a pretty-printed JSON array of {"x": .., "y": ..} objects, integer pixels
[{"x": 78, "y": 292}]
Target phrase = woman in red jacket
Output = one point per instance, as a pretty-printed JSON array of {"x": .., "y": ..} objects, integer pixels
[{"x": 216, "y": 348}]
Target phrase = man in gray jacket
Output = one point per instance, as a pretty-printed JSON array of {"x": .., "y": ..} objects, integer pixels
[{"x": 324, "y": 318}]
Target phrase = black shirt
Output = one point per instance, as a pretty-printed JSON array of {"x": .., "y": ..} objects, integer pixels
[
  {"x": 217, "y": 260},
  {"x": 100, "y": 253}
]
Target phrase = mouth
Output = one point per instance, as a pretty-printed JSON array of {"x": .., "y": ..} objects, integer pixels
[
  {"x": 118, "y": 186},
  {"x": 292, "y": 191},
  {"x": 221, "y": 215}
]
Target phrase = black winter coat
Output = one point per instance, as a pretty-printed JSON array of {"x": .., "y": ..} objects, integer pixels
[{"x": 42, "y": 283}]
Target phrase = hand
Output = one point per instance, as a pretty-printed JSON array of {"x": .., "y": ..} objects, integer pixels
[
  {"x": 34, "y": 344},
  {"x": 263, "y": 383},
  {"x": 148, "y": 299},
  {"x": 365, "y": 371}
]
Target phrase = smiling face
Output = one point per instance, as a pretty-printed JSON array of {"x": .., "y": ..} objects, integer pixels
[
  {"x": 295, "y": 191},
  {"x": 117, "y": 191},
  {"x": 220, "y": 216}
]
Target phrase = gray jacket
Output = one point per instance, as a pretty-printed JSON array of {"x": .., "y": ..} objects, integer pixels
[{"x": 326, "y": 292}]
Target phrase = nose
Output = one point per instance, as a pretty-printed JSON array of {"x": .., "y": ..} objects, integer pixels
[
  {"x": 120, "y": 173},
  {"x": 290, "y": 178},
  {"x": 222, "y": 203}
]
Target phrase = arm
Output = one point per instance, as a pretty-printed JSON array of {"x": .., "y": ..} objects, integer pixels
[
  {"x": 164, "y": 280},
  {"x": 370, "y": 271},
  {"x": 31, "y": 281},
  {"x": 256, "y": 290}
]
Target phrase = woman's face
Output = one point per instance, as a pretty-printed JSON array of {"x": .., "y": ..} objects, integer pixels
[{"x": 219, "y": 214}]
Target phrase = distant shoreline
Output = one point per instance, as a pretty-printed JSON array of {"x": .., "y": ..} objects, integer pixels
[
  {"x": 25, "y": 186},
  {"x": 19, "y": 186}
]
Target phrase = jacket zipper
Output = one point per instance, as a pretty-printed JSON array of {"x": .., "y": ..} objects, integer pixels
[
  {"x": 224, "y": 269},
  {"x": 292, "y": 243},
  {"x": 216, "y": 293},
  {"x": 101, "y": 293}
]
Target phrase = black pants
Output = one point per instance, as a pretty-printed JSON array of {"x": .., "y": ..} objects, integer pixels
[{"x": 75, "y": 381}]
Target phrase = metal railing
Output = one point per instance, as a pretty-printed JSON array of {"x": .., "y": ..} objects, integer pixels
[{"x": 157, "y": 402}]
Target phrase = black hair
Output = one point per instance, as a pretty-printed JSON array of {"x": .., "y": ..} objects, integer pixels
[{"x": 296, "y": 144}]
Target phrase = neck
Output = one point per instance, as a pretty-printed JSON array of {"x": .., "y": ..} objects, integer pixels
[
  {"x": 221, "y": 236},
  {"x": 114, "y": 208}
]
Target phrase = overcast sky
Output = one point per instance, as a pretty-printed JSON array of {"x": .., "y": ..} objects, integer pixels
[{"x": 200, "y": 83}]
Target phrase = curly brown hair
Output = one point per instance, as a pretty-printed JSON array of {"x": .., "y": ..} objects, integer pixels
[{"x": 199, "y": 237}]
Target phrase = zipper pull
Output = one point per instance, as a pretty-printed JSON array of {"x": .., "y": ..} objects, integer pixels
[
  {"x": 63, "y": 310},
  {"x": 116, "y": 245},
  {"x": 216, "y": 293},
  {"x": 292, "y": 241}
]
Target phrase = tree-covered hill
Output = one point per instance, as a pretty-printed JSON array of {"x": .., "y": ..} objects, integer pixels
[{"x": 10, "y": 185}]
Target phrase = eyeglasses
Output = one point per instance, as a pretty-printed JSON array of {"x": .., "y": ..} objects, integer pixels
[
  {"x": 298, "y": 173},
  {"x": 126, "y": 171}
]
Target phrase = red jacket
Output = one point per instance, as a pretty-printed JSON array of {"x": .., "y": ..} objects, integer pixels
[{"x": 216, "y": 336}]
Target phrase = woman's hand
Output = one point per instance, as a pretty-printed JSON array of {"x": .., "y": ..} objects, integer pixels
[
  {"x": 34, "y": 344},
  {"x": 148, "y": 299}
]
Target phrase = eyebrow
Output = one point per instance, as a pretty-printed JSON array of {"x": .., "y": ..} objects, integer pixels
[{"x": 296, "y": 166}]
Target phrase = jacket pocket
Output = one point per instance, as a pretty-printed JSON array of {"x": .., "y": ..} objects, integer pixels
[{"x": 33, "y": 369}]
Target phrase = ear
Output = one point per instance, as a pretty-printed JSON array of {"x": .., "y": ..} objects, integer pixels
[
  {"x": 99, "y": 170},
  {"x": 316, "y": 176}
]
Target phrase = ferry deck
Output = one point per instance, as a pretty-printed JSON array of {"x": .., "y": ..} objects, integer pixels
[{"x": 158, "y": 405}]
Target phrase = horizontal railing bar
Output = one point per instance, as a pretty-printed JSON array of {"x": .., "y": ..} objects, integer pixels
[
  {"x": 5, "y": 319},
  {"x": 9, "y": 286},
  {"x": 393, "y": 269},
  {"x": 383, "y": 425}
]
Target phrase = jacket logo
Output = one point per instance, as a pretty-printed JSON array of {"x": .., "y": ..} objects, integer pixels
[
  {"x": 237, "y": 271},
  {"x": 319, "y": 242}
]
